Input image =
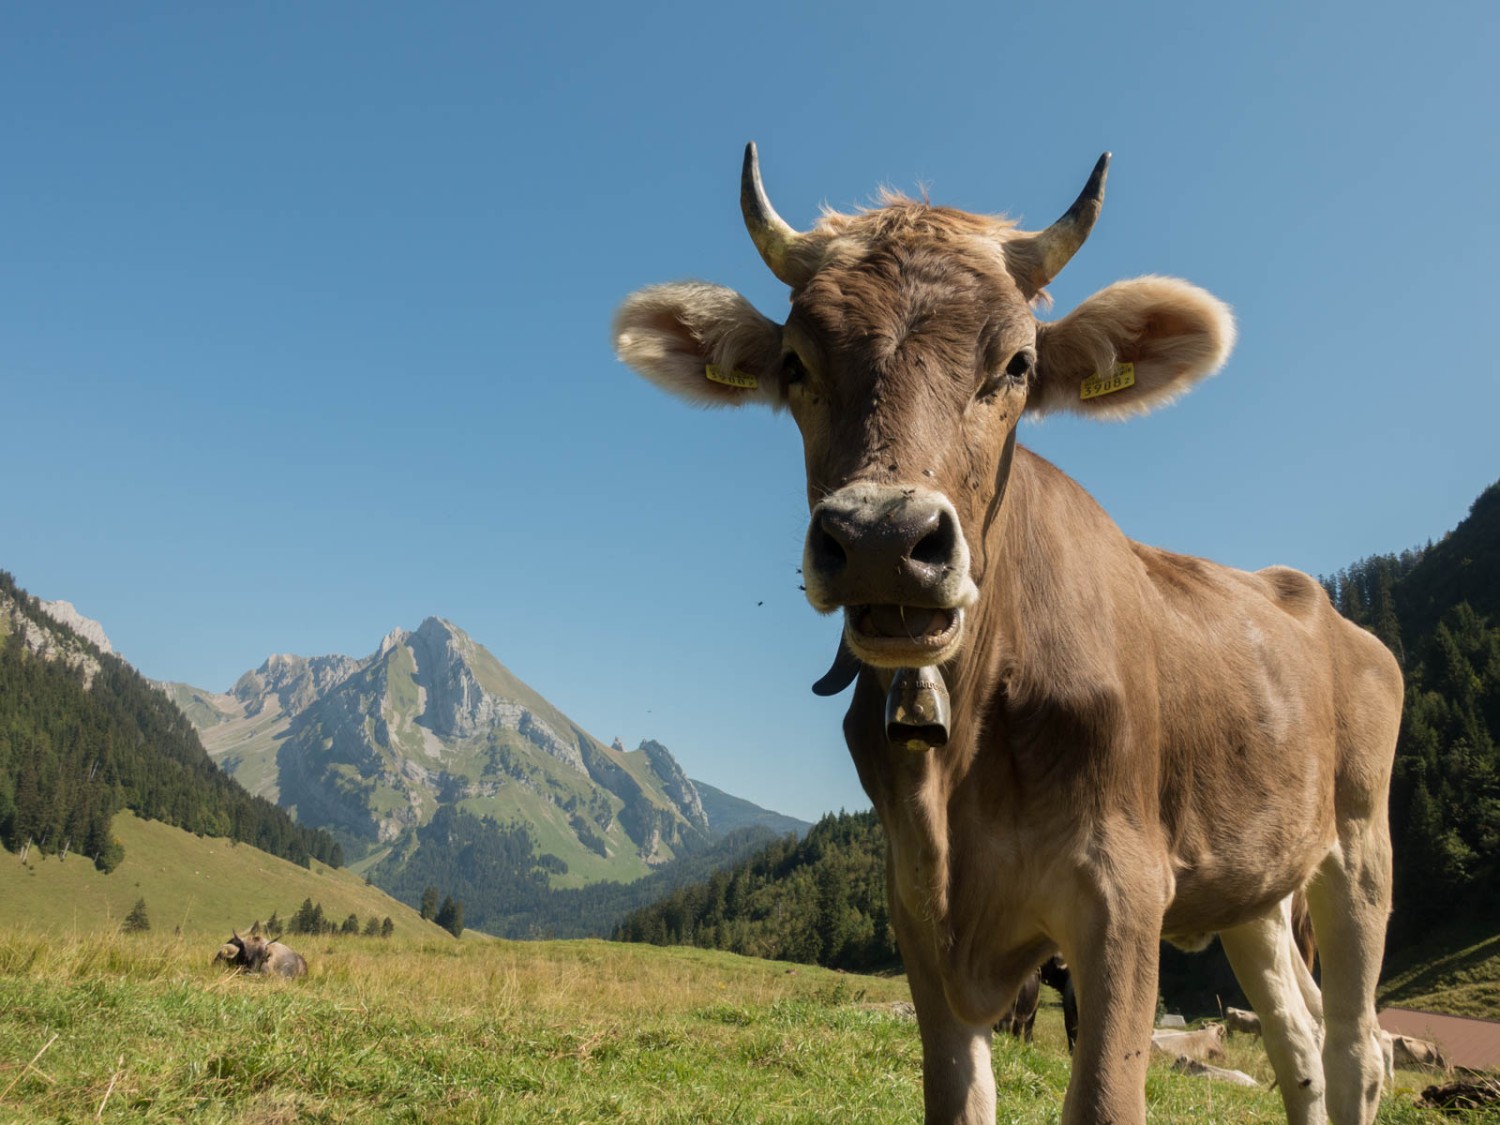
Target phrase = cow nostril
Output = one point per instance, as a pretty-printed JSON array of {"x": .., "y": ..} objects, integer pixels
[
  {"x": 828, "y": 554},
  {"x": 938, "y": 546}
]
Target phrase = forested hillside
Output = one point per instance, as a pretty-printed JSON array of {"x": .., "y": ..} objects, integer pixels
[
  {"x": 84, "y": 737},
  {"x": 1438, "y": 608},
  {"x": 820, "y": 900},
  {"x": 1439, "y": 611}
]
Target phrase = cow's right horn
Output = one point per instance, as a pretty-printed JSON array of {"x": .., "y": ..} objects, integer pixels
[{"x": 780, "y": 244}]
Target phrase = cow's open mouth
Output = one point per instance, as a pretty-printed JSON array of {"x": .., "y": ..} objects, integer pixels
[{"x": 902, "y": 629}]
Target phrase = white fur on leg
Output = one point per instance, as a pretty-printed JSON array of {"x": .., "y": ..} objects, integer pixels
[
  {"x": 1265, "y": 961},
  {"x": 1349, "y": 903}
]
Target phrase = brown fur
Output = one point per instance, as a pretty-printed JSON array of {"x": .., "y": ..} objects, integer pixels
[
  {"x": 1142, "y": 742},
  {"x": 1202, "y": 1044}
]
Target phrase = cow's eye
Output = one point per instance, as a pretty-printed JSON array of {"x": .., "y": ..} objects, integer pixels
[
  {"x": 1020, "y": 365},
  {"x": 792, "y": 369}
]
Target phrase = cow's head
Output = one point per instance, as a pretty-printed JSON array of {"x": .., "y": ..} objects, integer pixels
[
  {"x": 910, "y": 353},
  {"x": 248, "y": 953}
]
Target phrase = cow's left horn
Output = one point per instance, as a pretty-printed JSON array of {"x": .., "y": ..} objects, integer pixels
[
  {"x": 1054, "y": 247},
  {"x": 776, "y": 239}
]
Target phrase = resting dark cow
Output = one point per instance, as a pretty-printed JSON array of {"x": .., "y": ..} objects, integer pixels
[{"x": 254, "y": 954}]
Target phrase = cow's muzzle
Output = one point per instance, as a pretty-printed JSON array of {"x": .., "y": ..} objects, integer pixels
[{"x": 895, "y": 560}]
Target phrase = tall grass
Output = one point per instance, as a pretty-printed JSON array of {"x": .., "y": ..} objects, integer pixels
[{"x": 145, "y": 1029}]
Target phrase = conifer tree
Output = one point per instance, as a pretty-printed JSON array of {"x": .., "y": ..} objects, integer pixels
[
  {"x": 137, "y": 922},
  {"x": 451, "y": 916},
  {"x": 308, "y": 919}
]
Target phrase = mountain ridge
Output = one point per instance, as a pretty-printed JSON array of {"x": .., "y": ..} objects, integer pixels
[{"x": 372, "y": 747}]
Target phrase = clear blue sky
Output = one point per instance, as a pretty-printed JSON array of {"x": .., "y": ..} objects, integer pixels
[{"x": 304, "y": 313}]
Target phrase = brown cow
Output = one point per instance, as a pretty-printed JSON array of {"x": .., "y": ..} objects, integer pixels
[
  {"x": 1201, "y": 1043},
  {"x": 1237, "y": 1019},
  {"x": 1407, "y": 1052},
  {"x": 1091, "y": 742},
  {"x": 254, "y": 954}
]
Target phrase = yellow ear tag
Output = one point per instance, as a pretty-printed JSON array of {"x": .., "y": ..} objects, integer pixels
[
  {"x": 731, "y": 378},
  {"x": 1096, "y": 385}
]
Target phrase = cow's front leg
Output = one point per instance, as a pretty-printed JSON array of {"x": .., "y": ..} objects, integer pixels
[
  {"x": 1113, "y": 950},
  {"x": 958, "y": 1083}
]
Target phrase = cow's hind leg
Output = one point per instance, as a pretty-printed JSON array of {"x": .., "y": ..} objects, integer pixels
[
  {"x": 1265, "y": 962},
  {"x": 1350, "y": 900}
]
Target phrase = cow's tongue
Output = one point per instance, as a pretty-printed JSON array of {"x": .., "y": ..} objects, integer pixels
[{"x": 904, "y": 621}]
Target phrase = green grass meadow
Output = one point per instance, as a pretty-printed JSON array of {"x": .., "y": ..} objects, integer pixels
[{"x": 141, "y": 1028}]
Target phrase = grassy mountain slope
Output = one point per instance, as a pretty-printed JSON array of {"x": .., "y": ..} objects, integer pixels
[
  {"x": 205, "y": 885},
  {"x": 243, "y": 744},
  {"x": 1456, "y": 971}
]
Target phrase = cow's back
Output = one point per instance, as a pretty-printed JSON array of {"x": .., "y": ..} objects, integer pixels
[{"x": 1273, "y": 711}]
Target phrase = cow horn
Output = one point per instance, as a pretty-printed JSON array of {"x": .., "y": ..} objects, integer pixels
[
  {"x": 845, "y": 668},
  {"x": 1054, "y": 247},
  {"x": 776, "y": 239}
]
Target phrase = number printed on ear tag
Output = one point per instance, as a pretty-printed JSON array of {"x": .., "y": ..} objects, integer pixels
[
  {"x": 731, "y": 378},
  {"x": 1096, "y": 385}
]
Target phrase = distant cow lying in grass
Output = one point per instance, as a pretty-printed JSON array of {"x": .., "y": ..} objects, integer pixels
[
  {"x": 254, "y": 954},
  {"x": 1409, "y": 1052},
  {"x": 1204, "y": 1043}
]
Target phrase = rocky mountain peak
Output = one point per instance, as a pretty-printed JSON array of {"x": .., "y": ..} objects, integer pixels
[
  {"x": 60, "y": 644},
  {"x": 437, "y": 630},
  {"x": 296, "y": 681},
  {"x": 86, "y": 627},
  {"x": 396, "y": 637},
  {"x": 675, "y": 783}
]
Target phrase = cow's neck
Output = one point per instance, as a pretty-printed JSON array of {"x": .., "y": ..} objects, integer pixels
[{"x": 1043, "y": 566}]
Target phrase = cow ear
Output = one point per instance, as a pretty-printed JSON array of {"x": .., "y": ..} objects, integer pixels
[
  {"x": 1130, "y": 348},
  {"x": 703, "y": 343}
]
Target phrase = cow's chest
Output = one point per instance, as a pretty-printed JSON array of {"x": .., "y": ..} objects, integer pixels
[{"x": 978, "y": 908}]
